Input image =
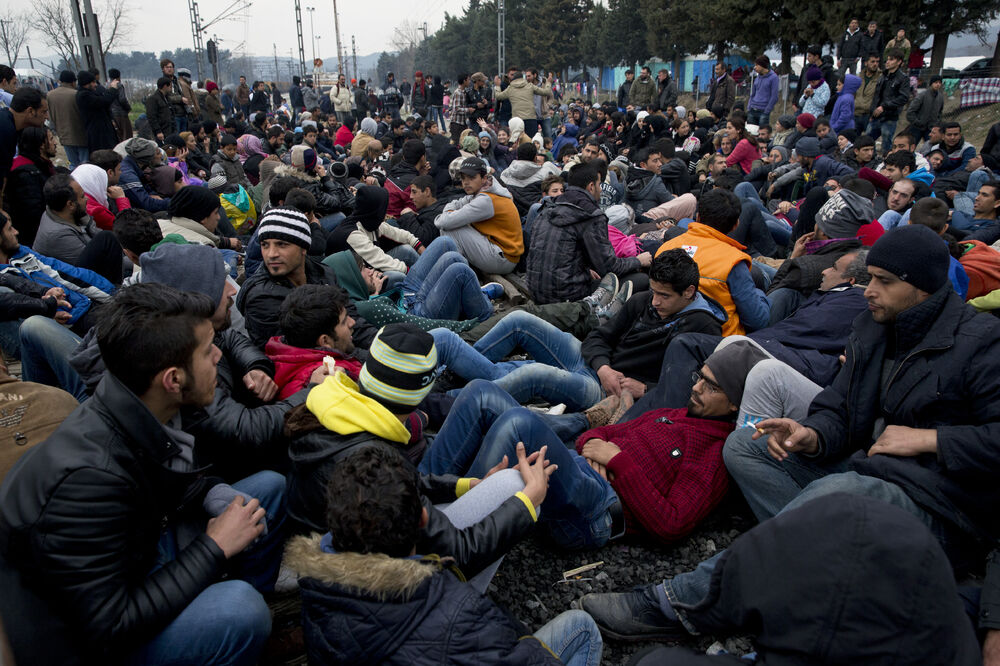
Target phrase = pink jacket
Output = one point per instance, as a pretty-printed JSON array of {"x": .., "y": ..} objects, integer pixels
[{"x": 624, "y": 246}]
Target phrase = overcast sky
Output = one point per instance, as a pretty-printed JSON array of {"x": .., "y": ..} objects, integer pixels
[{"x": 165, "y": 24}]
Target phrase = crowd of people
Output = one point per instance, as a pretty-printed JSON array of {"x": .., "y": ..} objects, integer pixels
[{"x": 361, "y": 342}]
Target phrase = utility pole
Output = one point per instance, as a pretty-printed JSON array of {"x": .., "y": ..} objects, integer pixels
[
  {"x": 31, "y": 62},
  {"x": 312, "y": 31},
  {"x": 277, "y": 74},
  {"x": 354, "y": 56},
  {"x": 298, "y": 30},
  {"x": 423, "y": 29},
  {"x": 501, "y": 36},
  {"x": 196, "y": 34},
  {"x": 340, "y": 52},
  {"x": 91, "y": 53}
]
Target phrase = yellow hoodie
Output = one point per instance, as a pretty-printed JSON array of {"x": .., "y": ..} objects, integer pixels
[{"x": 340, "y": 407}]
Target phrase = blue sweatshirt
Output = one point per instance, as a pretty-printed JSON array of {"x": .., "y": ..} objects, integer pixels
[{"x": 765, "y": 93}]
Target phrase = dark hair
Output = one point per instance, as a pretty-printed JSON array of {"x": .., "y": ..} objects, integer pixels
[
  {"x": 995, "y": 184},
  {"x": 665, "y": 147},
  {"x": 951, "y": 125},
  {"x": 227, "y": 140},
  {"x": 58, "y": 191},
  {"x": 163, "y": 81},
  {"x": 643, "y": 155},
  {"x": 676, "y": 268},
  {"x": 301, "y": 200},
  {"x": 814, "y": 49},
  {"x": 719, "y": 209},
  {"x": 860, "y": 186},
  {"x": 7, "y": 73},
  {"x": 527, "y": 152},
  {"x": 423, "y": 182},
  {"x": 373, "y": 503},
  {"x": 763, "y": 61},
  {"x": 930, "y": 212},
  {"x": 114, "y": 74},
  {"x": 147, "y": 328},
  {"x": 864, "y": 141},
  {"x": 137, "y": 230},
  {"x": 583, "y": 174},
  {"x": 901, "y": 159},
  {"x": 567, "y": 150},
  {"x": 165, "y": 62},
  {"x": 26, "y": 98},
  {"x": 105, "y": 158},
  {"x": 397, "y": 122},
  {"x": 30, "y": 143},
  {"x": 896, "y": 54},
  {"x": 906, "y": 136},
  {"x": 310, "y": 311},
  {"x": 726, "y": 182},
  {"x": 259, "y": 118},
  {"x": 280, "y": 187}
]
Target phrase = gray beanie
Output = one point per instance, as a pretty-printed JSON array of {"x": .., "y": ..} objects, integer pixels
[
  {"x": 197, "y": 268},
  {"x": 141, "y": 150},
  {"x": 732, "y": 364},
  {"x": 844, "y": 214}
]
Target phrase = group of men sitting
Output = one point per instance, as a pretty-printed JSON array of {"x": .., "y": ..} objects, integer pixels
[{"x": 358, "y": 425}]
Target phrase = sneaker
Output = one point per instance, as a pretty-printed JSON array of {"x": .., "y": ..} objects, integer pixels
[
  {"x": 617, "y": 303},
  {"x": 288, "y": 580},
  {"x": 556, "y": 410},
  {"x": 604, "y": 293},
  {"x": 493, "y": 290},
  {"x": 624, "y": 404},
  {"x": 600, "y": 413},
  {"x": 632, "y": 616}
]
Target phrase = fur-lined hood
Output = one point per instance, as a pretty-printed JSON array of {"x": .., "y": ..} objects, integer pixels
[
  {"x": 378, "y": 575},
  {"x": 289, "y": 170}
]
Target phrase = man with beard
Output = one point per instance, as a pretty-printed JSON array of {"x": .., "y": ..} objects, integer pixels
[
  {"x": 103, "y": 530},
  {"x": 65, "y": 228},
  {"x": 285, "y": 237}
]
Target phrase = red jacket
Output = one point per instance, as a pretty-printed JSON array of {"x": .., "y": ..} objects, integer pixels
[
  {"x": 344, "y": 136},
  {"x": 670, "y": 473},
  {"x": 103, "y": 217},
  {"x": 294, "y": 365}
]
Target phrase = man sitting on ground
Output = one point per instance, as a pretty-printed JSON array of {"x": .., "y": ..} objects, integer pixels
[
  {"x": 96, "y": 489},
  {"x": 418, "y": 218},
  {"x": 485, "y": 223}
]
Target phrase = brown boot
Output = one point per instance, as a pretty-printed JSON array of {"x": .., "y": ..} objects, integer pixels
[{"x": 600, "y": 413}]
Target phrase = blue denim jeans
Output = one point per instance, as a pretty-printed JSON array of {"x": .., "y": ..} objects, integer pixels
[
  {"x": 885, "y": 128},
  {"x": 229, "y": 622},
  {"x": 691, "y": 588},
  {"x": 574, "y": 637},
  {"x": 45, "y": 350},
  {"x": 757, "y": 117},
  {"x": 784, "y": 302},
  {"x": 473, "y": 439},
  {"x": 436, "y": 115},
  {"x": 76, "y": 155},
  {"x": 557, "y": 374},
  {"x": 963, "y": 200},
  {"x": 330, "y": 222},
  {"x": 441, "y": 285}
]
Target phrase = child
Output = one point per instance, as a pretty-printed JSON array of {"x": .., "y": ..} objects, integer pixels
[
  {"x": 369, "y": 597},
  {"x": 842, "y": 117}
]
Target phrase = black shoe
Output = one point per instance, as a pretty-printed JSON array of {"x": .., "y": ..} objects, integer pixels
[{"x": 632, "y": 616}]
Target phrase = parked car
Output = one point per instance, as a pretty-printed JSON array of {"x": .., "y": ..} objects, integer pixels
[{"x": 977, "y": 70}]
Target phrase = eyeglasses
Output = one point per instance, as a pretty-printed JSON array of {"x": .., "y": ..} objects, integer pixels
[{"x": 712, "y": 387}]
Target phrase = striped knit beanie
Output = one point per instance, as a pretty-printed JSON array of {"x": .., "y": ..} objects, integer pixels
[
  {"x": 285, "y": 224},
  {"x": 401, "y": 367}
]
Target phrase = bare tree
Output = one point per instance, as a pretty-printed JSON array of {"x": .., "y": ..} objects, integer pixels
[
  {"x": 14, "y": 28},
  {"x": 54, "y": 21}
]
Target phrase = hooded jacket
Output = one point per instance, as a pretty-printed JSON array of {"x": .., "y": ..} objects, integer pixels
[
  {"x": 645, "y": 190},
  {"x": 522, "y": 97},
  {"x": 339, "y": 420},
  {"x": 397, "y": 184},
  {"x": 843, "y": 109},
  {"x": 23, "y": 196},
  {"x": 82, "y": 286},
  {"x": 374, "y": 609},
  {"x": 634, "y": 340},
  {"x": 901, "y": 605},
  {"x": 940, "y": 374},
  {"x": 492, "y": 213},
  {"x": 231, "y": 168},
  {"x": 570, "y": 236},
  {"x": 331, "y": 196},
  {"x": 364, "y": 233},
  {"x": 568, "y": 138},
  {"x": 524, "y": 180},
  {"x": 293, "y": 366}
]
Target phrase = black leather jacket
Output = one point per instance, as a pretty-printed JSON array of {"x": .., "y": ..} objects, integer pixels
[{"x": 80, "y": 519}]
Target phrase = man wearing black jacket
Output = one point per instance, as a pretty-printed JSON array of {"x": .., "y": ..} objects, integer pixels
[
  {"x": 626, "y": 352},
  {"x": 892, "y": 92},
  {"x": 104, "y": 550},
  {"x": 419, "y": 220},
  {"x": 911, "y": 420},
  {"x": 285, "y": 238},
  {"x": 624, "y": 88}
]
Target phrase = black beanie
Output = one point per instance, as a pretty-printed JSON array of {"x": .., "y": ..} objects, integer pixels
[
  {"x": 67, "y": 76},
  {"x": 193, "y": 202},
  {"x": 732, "y": 364},
  {"x": 914, "y": 254},
  {"x": 370, "y": 204},
  {"x": 84, "y": 78}
]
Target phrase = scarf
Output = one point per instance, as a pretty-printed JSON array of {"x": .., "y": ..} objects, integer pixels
[{"x": 247, "y": 146}]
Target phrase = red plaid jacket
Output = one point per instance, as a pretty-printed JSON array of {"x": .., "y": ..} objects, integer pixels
[{"x": 670, "y": 473}]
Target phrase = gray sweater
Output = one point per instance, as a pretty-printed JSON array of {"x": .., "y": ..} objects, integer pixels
[{"x": 63, "y": 240}]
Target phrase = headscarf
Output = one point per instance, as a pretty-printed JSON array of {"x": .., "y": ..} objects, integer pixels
[
  {"x": 516, "y": 127},
  {"x": 470, "y": 144},
  {"x": 247, "y": 146},
  {"x": 94, "y": 181},
  {"x": 681, "y": 111},
  {"x": 369, "y": 126}
]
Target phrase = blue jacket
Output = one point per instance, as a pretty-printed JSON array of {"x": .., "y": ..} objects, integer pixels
[
  {"x": 131, "y": 182},
  {"x": 842, "y": 116},
  {"x": 567, "y": 139},
  {"x": 765, "y": 92},
  {"x": 815, "y": 335},
  {"x": 81, "y": 285}
]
